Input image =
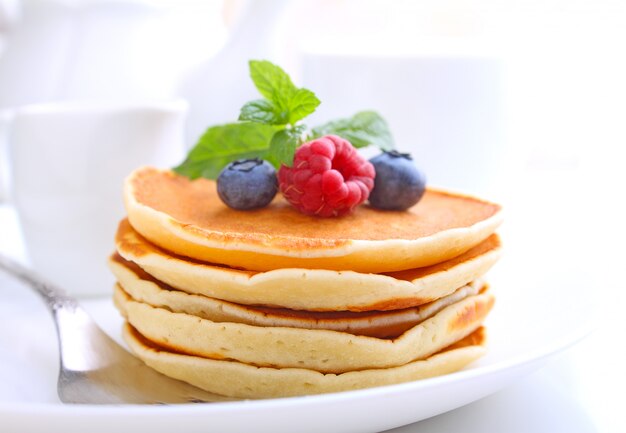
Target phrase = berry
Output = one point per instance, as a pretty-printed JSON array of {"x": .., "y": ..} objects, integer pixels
[
  {"x": 247, "y": 184},
  {"x": 328, "y": 177},
  {"x": 399, "y": 184}
]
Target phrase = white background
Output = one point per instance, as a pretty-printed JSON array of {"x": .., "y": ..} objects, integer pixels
[{"x": 561, "y": 164}]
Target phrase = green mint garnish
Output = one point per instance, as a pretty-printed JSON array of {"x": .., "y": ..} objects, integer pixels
[
  {"x": 269, "y": 128},
  {"x": 284, "y": 144},
  {"x": 223, "y": 144},
  {"x": 263, "y": 111},
  {"x": 284, "y": 103},
  {"x": 363, "y": 129}
]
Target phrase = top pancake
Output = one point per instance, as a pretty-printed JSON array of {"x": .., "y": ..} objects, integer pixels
[{"x": 188, "y": 218}]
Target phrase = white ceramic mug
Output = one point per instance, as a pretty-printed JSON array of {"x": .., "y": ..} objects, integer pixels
[{"x": 68, "y": 163}]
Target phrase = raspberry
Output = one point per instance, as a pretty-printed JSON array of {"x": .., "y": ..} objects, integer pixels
[{"x": 328, "y": 177}]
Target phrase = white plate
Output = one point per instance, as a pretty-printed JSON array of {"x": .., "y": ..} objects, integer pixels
[
  {"x": 541, "y": 308},
  {"x": 524, "y": 329}
]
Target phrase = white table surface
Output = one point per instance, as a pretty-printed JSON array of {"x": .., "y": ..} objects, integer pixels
[{"x": 580, "y": 390}]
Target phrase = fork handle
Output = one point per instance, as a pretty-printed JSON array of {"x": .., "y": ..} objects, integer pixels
[{"x": 54, "y": 297}]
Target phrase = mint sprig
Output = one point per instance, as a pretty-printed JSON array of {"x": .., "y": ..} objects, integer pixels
[
  {"x": 363, "y": 129},
  {"x": 284, "y": 103},
  {"x": 263, "y": 111},
  {"x": 222, "y": 144},
  {"x": 270, "y": 128},
  {"x": 284, "y": 144}
]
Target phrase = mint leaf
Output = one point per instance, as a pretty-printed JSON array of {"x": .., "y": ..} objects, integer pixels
[
  {"x": 283, "y": 146},
  {"x": 263, "y": 111},
  {"x": 288, "y": 103},
  {"x": 272, "y": 82},
  {"x": 363, "y": 129},
  {"x": 222, "y": 144},
  {"x": 301, "y": 104},
  {"x": 269, "y": 128}
]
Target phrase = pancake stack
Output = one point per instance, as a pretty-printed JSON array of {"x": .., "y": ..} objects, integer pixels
[{"x": 272, "y": 303}]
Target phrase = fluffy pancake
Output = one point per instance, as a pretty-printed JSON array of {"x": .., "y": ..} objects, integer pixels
[
  {"x": 188, "y": 218},
  {"x": 142, "y": 287},
  {"x": 242, "y": 380},
  {"x": 316, "y": 349},
  {"x": 309, "y": 289}
]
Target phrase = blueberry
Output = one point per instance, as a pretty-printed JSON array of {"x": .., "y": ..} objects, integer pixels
[
  {"x": 247, "y": 184},
  {"x": 398, "y": 184}
]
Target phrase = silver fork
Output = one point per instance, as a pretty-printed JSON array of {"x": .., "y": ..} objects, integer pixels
[{"x": 94, "y": 368}]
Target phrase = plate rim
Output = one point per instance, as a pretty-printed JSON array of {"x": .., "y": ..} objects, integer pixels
[{"x": 538, "y": 354}]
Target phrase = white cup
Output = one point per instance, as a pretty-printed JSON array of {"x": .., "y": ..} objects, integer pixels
[{"x": 69, "y": 160}]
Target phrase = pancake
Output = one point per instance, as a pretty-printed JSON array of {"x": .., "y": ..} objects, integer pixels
[
  {"x": 309, "y": 289},
  {"x": 236, "y": 379},
  {"x": 142, "y": 287},
  {"x": 188, "y": 218},
  {"x": 316, "y": 349}
]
